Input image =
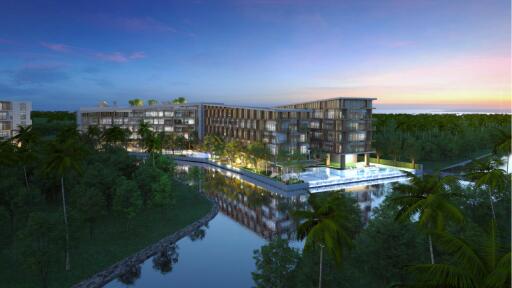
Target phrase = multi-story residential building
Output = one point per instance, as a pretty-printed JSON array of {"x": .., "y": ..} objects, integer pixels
[
  {"x": 341, "y": 127},
  {"x": 182, "y": 119},
  {"x": 277, "y": 127},
  {"x": 12, "y": 115}
]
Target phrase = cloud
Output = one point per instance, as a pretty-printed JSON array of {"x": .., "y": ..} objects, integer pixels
[
  {"x": 120, "y": 57},
  {"x": 38, "y": 74},
  {"x": 4, "y": 41},
  {"x": 57, "y": 47},
  {"x": 134, "y": 24}
]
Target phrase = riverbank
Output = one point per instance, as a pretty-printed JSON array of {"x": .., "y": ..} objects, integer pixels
[{"x": 112, "y": 241}]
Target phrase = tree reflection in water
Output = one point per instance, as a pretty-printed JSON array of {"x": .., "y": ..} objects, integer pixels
[
  {"x": 131, "y": 275},
  {"x": 165, "y": 259},
  {"x": 199, "y": 234}
]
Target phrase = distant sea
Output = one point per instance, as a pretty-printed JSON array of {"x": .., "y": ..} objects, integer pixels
[{"x": 404, "y": 110}]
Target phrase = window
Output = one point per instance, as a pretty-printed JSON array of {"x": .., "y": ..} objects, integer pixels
[
  {"x": 169, "y": 113},
  {"x": 303, "y": 149},
  {"x": 23, "y": 107},
  {"x": 270, "y": 126},
  {"x": 314, "y": 125},
  {"x": 355, "y": 104},
  {"x": 106, "y": 121},
  {"x": 357, "y": 136},
  {"x": 318, "y": 114}
]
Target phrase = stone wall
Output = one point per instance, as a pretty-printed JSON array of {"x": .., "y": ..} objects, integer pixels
[{"x": 121, "y": 267}]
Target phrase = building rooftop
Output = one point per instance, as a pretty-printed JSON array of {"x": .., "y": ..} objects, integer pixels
[
  {"x": 168, "y": 105},
  {"x": 329, "y": 99}
]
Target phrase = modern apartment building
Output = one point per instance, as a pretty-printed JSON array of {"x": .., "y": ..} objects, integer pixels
[
  {"x": 182, "y": 119},
  {"x": 12, "y": 115},
  {"x": 340, "y": 127}
]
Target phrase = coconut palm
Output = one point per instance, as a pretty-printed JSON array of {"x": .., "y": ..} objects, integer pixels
[
  {"x": 115, "y": 136},
  {"x": 136, "y": 102},
  {"x": 179, "y": 100},
  {"x": 429, "y": 198},
  {"x": 63, "y": 156},
  {"x": 25, "y": 140},
  {"x": 329, "y": 224},
  {"x": 503, "y": 145},
  {"x": 483, "y": 264},
  {"x": 487, "y": 174}
]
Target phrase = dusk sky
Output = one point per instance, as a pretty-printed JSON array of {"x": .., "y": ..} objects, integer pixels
[{"x": 411, "y": 55}]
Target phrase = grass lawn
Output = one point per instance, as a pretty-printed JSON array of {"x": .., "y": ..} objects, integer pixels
[{"x": 111, "y": 242}]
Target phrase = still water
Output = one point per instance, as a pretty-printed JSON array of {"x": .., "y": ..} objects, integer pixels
[{"x": 221, "y": 255}]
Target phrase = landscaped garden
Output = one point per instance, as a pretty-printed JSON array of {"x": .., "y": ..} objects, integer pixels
[{"x": 71, "y": 205}]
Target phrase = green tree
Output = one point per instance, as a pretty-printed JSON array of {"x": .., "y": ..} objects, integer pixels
[
  {"x": 232, "y": 151},
  {"x": 115, "y": 136},
  {"x": 25, "y": 141},
  {"x": 155, "y": 186},
  {"x": 90, "y": 205},
  {"x": 63, "y": 156},
  {"x": 93, "y": 136},
  {"x": 495, "y": 180},
  {"x": 481, "y": 264},
  {"x": 152, "y": 102},
  {"x": 13, "y": 197},
  {"x": 331, "y": 222},
  {"x": 429, "y": 198},
  {"x": 275, "y": 264},
  {"x": 179, "y": 100},
  {"x": 38, "y": 242},
  {"x": 136, "y": 102},
  {"x": 127, "y": 199}
]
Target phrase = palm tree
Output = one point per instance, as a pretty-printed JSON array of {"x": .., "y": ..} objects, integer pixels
[
  {"x": 503, "y": 143},
  {"x": 115, "y": 136},
  {"x": 93, "y": 135},
  {"x": 25, "y": 140},
  {"x": 429, "y": 198},
  {"x": 63, "y": 156},
  {"x": 179, "y": 100},
  {"x": 480, "y": 265},
  {"x": 326, "y": 224},
  {"x": 152, "y": 102},
  {"x": 136, "y": 102},
  {"x": 150, "y": 141},
  {"x": 489, "y": 175}
]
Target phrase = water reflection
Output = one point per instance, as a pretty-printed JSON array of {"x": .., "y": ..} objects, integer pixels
[
  {"x": 199, "y": 234},
  {"x": 131, "y": 275},
  {"x": 249, "y": 216},
  {"x": 165, "y": 259}
]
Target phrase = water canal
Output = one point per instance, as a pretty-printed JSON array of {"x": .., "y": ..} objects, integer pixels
[{"x": 221, "y": 254}]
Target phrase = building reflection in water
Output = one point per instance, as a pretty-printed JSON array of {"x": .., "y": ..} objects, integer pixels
[{"x": 264, "y": 212}]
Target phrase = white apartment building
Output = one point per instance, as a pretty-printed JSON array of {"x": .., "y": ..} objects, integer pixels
[{"x": 12, "y": 115}]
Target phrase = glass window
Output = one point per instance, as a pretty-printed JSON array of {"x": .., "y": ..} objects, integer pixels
[{"x": 270, "y": 126}]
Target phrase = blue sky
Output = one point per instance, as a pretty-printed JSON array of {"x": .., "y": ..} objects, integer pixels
[{"x": 444, "y": 55}]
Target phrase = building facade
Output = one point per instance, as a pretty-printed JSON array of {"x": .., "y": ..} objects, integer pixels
[
  {"x": 341, "y": 127},
  {"x": 182, "y": 119},
  {"x": 12, "y": 115}
]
